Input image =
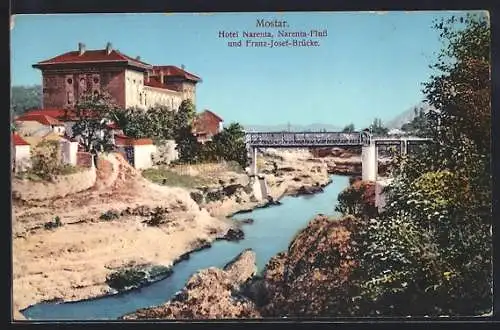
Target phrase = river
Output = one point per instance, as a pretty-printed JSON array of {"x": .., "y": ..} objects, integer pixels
[{"x": 271, "y": 233}]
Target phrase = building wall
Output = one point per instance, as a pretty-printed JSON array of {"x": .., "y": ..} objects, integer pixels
[
  {"x": 189, "y": 91},
  {"x": 211, "y": 124},
  {"x": 22, "y": 158},
  {"x": 134, "y": 85},
  {"x": 69, "y": 152},
  {"x": 143, "y": 156},
  {"x": 158, "y": 96},
  {"x": 62, "y": 88}
]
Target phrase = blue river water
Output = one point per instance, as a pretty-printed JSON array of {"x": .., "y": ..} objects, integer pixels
[{"x": 270, "y": 233}]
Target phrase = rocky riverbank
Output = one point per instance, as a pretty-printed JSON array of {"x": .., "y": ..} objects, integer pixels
[
  {"x": 210, "y": 294},
  {"x": 298, "y": 282},
  {"x": 103, "y": 231},
  {"x": 122, "y": 221}
]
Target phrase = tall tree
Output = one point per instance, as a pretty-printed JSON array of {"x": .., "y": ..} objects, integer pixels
[
  {"x": 377, "y": 128},
  {"x": 92, "y": 113},
  {"x": 430, "y": 251},
  {"x": 230, "y": 144}
]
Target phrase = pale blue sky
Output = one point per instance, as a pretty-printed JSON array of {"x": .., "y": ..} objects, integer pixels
[{"x": 370, "y": 65}]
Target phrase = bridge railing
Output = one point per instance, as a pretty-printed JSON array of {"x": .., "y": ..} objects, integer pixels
[{"x": 305, "y": 138}]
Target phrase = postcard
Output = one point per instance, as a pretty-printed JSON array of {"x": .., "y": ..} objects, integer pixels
[{"x": 251, "y": 165}]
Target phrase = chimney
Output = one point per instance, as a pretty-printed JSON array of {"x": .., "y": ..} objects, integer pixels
[
  {"x": 108, "y": 48},
  {"x": 81, "y": 48},
  {"x": 183, "y": 66},
  {"x": 161, "y": 76},
  {"x": 138, "y": 58}
]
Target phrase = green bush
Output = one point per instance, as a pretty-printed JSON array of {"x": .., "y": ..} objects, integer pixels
[
  {"x": 53, "y": 224},
  {"x": 109, "y": 215}
]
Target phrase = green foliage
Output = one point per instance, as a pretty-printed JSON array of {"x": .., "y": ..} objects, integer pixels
[
  {"x": 53, "y": 224},
  {"x": 164, "y": 175},
  {"x": 187, "y": 145},
  {"x": 109, "y": 215},
  {"x": 349, "y": 128},
  {"x": 421, "y": 125},
  {"x": 46, "y": 160},
  {"x": 430, "y": 252},
  {"x": 157, "y": 123},
  {"x": 230, "y": 144},
  {"x": 93, "y": 112},
  {"x": 136, "y": 276},
  {"x": 357, "y": 200},
  {"x": 24, "y": 98},
  {"x": 157, "y": 217},
  {"x": 377, "y": 128},
  {"x": 185, "y": 115}
]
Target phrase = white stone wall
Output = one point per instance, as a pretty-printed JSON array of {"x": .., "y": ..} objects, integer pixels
[
  {"x": 22, "y": 158},
  {"x": 59, "y": 130},
  {"x": 134, "y": 85},
  {"x": 143, "y": 156},
  {"x": 69, "y": 152},
  {"x": 158, "y": 96}
]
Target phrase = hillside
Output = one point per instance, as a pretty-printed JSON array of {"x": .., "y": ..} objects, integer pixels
[
  {"x": 25, "y": 97},
  {"x": 407, "y": 115}
]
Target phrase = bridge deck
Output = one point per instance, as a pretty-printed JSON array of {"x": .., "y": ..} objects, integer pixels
[{"x": 321, "y": 139}]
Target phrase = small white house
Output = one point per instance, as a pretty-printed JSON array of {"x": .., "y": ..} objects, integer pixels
[
  {"x": 139, "y": 152},
  {"x": 47, "y": 121},
  {"x": 22, "y": 153}
]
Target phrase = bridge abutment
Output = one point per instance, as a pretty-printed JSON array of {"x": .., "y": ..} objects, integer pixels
[{"x": 369, "y": 162}]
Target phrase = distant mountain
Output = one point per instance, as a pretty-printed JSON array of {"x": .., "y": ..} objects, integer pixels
[
  {"x": 407, "y": 116},
  {"x": 24, "y": 98},
  {"x": 294, "y": 128}
]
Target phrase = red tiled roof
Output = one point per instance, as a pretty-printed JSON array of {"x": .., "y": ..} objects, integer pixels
[
  {"x": 122, "y": 140},
  {"x": 154, "y": 82},
  {"x": 61, "y": 114},
  {"x": 93, "y": 56},
  {"x": 41, "y": 118},
  {"x": 18, "y": 141},
  {"x": 52, "y": 112},
  {"x": 210, "y": 113},
  {"x": 173, "y": 71}
]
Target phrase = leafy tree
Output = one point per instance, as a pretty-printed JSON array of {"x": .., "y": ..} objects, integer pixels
[
  {"x": 230, "y": 144},
  {"x": 187, "y": 145},
  {"x": 430, "y": 251},
  {"x": 349, "y": 128},
  {"x": 46, "y": 160},
  {"x": 156, "y": 123},
  {"x": 185, "y": 114},
  {"x": 377, "y": 128},
  {"x": 24, "y": 98},
  {"x": 93, "y": 112}
]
